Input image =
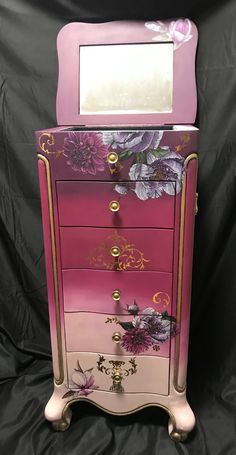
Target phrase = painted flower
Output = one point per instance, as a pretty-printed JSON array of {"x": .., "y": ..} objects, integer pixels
[
  {"x": 136, "y": 340},
  {"x": 85, "y": 152},
  {"x": 163, "y": 175},
  {"x": 134, "y": 141},
  {"x": 180, "y": 31},
  {"x": 83, "y": 383}
]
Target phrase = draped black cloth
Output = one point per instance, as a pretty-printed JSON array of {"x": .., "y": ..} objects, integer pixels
[{"x": 28, "y": 82}]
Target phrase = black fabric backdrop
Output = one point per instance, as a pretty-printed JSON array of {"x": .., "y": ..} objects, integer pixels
[{"x": 28, "y": 81}]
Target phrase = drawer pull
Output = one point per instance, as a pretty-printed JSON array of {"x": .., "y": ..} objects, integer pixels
[
  {"x": 116, "y": 295},
  {"x": 115, "y": 251},
  {"x": 116, "y": 337},
  {"x": 117, "y": 378},
  {"x": 112, "y": 158},
  {"x": 114, "y": 206}
]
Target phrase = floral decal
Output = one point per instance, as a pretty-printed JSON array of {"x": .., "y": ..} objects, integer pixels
[
  {"x": 154, "y": 169},
  {"x": 85, "y": 152},
  {"x": 147, "y": 329},
  {"x": 177, "y": 31},
  {"x": 130, "y": 257},
  {"x": 82, "y": 382}
]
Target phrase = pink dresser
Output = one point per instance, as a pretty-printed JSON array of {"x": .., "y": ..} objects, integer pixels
[{"x": 118, "y": 195}]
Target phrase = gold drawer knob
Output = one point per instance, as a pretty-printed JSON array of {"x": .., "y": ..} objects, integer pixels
[
  {"x": 116, "y": 337},
  {"x": 112, "y": 158},
  {"x": 114, "y": 206},
  {"x": 115, "y": 251},
  {"x": 116, "y": 295},
  {"x": 117, "y": 378}
]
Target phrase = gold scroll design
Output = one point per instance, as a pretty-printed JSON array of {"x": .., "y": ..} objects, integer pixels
[
  {"x": 117, "y": 371},
  {"x": 130, "y": 257},
  {"x": 47, "y": 143}
]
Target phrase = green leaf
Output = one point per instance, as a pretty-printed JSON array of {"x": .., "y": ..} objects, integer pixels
[
  {"x": 141, "y": 157},
  {"x": 126, "y": 325},
  {"x": 168, "y": 317},
  {"x": 125, "y": 155},
  {"x": 159, "y": 152},
  {"x": 68, "y": 394}
]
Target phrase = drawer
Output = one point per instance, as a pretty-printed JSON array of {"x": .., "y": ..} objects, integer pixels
[
  {"x": 116, "y": 293},
  {"x": 88, "y": 204},
  {"x": 90, "y": 371},
  {"x": 136, "y": 249},
  {"x": 118, "y": 335}
]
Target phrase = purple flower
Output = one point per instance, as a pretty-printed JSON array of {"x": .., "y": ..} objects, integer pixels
[
  {"x": 136, "y": 340},
  {"x": 85, "y": 152},
  {"x": 82, "y": 383},
  {"x": 160, "y": 328},
  {"x": 180, "y": 32},
  {"x": 163, "y": 175},
  {"x": 134, "y": 141}
]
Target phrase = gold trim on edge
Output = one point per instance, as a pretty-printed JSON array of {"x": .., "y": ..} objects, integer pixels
[
  {"x": 192, "y": 156},
  {"x": 139, "y": 408},
  {"x": 55, "y": 276}
]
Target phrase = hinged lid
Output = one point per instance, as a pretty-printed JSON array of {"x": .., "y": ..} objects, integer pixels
[{"x": 127, "y": 73}]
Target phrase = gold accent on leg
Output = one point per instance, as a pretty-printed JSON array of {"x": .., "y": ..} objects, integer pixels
[
  {"x": 192, "y": 156},
  {"x": 60, "y": 379},
  {"x": 64, "y": 423}
]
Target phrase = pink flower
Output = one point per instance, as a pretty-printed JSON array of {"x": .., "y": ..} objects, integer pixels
[
  {"x": 85, "y": 151},
  {"x": 83, "y": 383},
  {"x": 180, "y": 31},
  {"x": 136, "y": 340}
]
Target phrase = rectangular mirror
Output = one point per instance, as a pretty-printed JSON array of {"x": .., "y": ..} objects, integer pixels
[{"x": 126, "y": 78}]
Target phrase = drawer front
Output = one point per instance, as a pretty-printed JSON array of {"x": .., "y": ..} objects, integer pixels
[
  {"x": 138, "y": 249},
  {"x": 88, "y": 204},
  {"x": 118, "y": 335},
  {"x": 101, "y": 291},
  {"x": 90, "y": 371}
]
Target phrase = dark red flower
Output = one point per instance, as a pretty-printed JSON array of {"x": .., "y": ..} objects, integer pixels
[
  {"x": 85, "y": 151},
  {"x": 136, "y": 340}
]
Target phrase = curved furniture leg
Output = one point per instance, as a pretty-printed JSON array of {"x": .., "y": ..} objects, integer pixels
[
  {"x": 56, "y": 410},
  {"x": 182, "y": 423}
]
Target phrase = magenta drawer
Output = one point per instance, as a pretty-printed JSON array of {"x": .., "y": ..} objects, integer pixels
[
  {"x": 87, "y": 204},
  {"x": 93, "y": 291},
  {"x": 139, "y": 249},
  {"x": 93, "y": 332}
]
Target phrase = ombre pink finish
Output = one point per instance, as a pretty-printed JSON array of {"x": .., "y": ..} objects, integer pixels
[
  {"x": 152, "y": 374},
  {"x": 79, "y": 205},
  {"x": 154, "y": 280},
  {"x": 149, "y": 249},
  {"x": 91, "y": 290},
  {"x": 74, "y": 35},
  {"x": 90, "y": 332}
]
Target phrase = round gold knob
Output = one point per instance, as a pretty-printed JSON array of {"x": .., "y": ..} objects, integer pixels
[
  {"x": 117, "y": 378},
  {"x": 116, "y": 337},
  {"x": 116, "y": 295},
  {"x": 114, "y": 206},
  {"x": 112, "y": 158},
  {"x": 115, "y": 251}
]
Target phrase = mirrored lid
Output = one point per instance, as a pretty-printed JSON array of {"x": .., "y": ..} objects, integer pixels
[{"x": 127, "y": 73}]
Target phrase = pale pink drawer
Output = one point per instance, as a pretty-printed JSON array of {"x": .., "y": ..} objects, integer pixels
[
  {"x": 87, "y": 204},
  {"x": 94, "y": 291},
  {"x": 139, "y": 249},
  {"x": 95, "y": 332},
  {"x": 137, "y": 374}
]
